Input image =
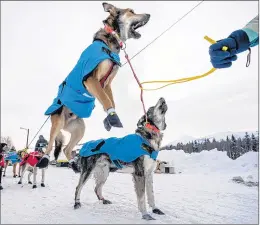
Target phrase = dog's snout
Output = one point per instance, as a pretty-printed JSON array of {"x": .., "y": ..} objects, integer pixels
[
  {"x": 148, "y": 16},
  {"x": 162, "y": 100}
]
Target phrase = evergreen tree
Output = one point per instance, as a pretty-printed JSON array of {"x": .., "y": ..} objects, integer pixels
[
  {"x": 227, "y": 147},
  {"x": 247, "y": 142},
  {"x": 234, "y": 154},
  {"x": 254, "y": 143},
  {"x": 240, "y": 147},
  {"x": 195, "y": 146}
]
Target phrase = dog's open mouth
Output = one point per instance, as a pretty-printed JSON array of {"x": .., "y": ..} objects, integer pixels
[{"x": 135, "y": 26}]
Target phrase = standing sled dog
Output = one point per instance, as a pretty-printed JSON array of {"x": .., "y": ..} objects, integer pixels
[
  {"x": 91, "y": 78},
  {"x": 30, "y": 163},
  {"x": 139, "y": 149}
]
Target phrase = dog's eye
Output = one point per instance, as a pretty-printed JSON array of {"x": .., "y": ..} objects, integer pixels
[{"x": 131, "y": 11}]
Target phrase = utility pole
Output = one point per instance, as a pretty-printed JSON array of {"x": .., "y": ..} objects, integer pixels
[{"x": 27, "y": 139}]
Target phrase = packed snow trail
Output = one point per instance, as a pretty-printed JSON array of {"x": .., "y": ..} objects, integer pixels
[{"x": 185, "y": 198}]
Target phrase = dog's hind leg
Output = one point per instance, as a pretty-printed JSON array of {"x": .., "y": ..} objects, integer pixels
[
  {"x": 149, "y": 166},
  {"x": 101, "y": 173},
  {"x": 29, "y": 177},
  {"x": 24, "y": 168},
  {"x": 139, "y": 183},
  {"x": 76, "y": 127},
  {"x": 1, "y": 188},
  {"x": 59, "y": 141},
  {"x": 34, "y": 176},
  {"x": 43, "y": 178},
  {"x": 57, "y": 121},
  {"x": 87, "y": 165},
  {"x": 19, "y": 172},
  {"x": 6, "y": 164}
]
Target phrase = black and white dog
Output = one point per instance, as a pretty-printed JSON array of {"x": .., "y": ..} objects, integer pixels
[{"x": 144, "y": 165}]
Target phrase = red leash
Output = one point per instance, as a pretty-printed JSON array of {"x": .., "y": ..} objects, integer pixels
[
  {"x": 123, "y": 47},
  {"x": 137, "y": 80}
]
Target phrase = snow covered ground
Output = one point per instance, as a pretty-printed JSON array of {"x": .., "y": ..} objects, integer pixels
[{"x": 202, "y": 191}]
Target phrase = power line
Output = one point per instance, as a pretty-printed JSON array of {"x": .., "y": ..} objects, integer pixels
[
  {"x": 39, "y": 130},
  {"x": 164, "y": 32}
]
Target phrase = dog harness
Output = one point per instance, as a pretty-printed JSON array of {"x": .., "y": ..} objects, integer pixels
[
  {"x": 2, "y": 161},
  {"x": 13, "y": 157},
  {"x": 31, "y": 158},
  {"x": 125, "y": 149},
  {"x": 72, "y": 92}
]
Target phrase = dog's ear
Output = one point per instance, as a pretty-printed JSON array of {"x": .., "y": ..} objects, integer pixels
[
  {"x": 141, "y": 121},
  {"x": 109, "y": 8}
]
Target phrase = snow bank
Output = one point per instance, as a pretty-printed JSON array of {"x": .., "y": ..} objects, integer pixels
[{"x": 207, "y": 162}]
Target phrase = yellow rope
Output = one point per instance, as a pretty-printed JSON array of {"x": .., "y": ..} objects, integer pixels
[{"x": 182, "y": 80}]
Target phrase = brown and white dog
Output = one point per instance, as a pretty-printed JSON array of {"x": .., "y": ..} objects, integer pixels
[
  {"x": 124, "y": 23},
  {"x": 29, "y": 163}
]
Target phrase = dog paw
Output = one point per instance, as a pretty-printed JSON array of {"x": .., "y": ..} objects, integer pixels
[
  {"x": 34, "y": 186},
  {"x": 106, "y": 202},
  {"x": 29, "y": 182},
  {"x": 20, "y": 182},
  {"x": 158, "y": 211},
  {"x": 77, "y": 205},
  {"x": 42, "y": 184},
  {"x": 147, "y": 217}
]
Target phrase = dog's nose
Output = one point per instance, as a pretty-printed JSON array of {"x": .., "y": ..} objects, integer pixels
[
  {"x": 148, "y": 16},
  {"x": 162, "y": 100}
]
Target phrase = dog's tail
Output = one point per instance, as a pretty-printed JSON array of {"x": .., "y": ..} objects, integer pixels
[{"x": 59, "y": 141}]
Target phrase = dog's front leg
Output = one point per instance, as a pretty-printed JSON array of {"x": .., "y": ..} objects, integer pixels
[
  {"x": 43, "y": 178},
  {"x": 93, "y": 86},
  {"x": 149, "y": 167},
  {"x": 139, "y": 183},
  {"x": 150, "y": 193},
  {"x": 109, "y": 93},
  {"x": 34, "y": 176}
]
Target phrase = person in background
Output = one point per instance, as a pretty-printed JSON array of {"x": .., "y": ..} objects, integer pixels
[
  {"x": 41, "y": 143},
  {"x": 237, "y": 42}
]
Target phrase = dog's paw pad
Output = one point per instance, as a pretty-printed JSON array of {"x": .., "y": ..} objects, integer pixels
[
  {"x": 19, "y": 182},
  {"x": 34, "y": 186},
  {"x": 147, "y": 217},
  {"x": 158, "y": 211},
  {"x": 77, "y": 205},
  {"x": 29, "y": 182},
  {"x": 106, "y": 202},
  {"x": 42, "y": 184}
]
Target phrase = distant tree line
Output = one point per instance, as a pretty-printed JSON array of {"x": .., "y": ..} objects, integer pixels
[{"x": 235, "y": 147}]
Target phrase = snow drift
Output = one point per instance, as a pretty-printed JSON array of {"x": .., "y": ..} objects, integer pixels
[{"x": 214, "y": 161}]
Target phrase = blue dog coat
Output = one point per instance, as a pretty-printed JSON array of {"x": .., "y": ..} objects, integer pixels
[
  {"x": 72, "y": 92},
  {"x": 125, "y": 149},
  {"x": 13, "y": 157}
]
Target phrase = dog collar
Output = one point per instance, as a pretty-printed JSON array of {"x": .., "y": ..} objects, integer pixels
[
  {"x": 152, "y": 127},
  {"x": 109, "y": 30}
]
